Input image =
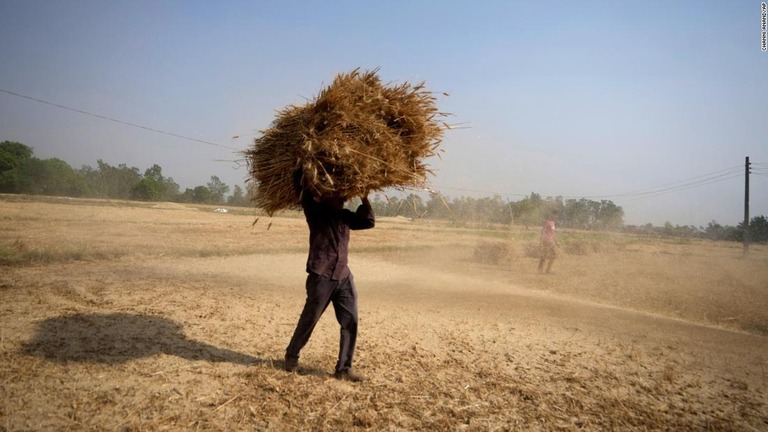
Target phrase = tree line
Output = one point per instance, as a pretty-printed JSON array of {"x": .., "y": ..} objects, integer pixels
[
  {"x": 580, "y": 214},
  {"x": 23, "y": 173},
  {"x": 529, "y": 211},
  {"x": 758, "y": 230}
]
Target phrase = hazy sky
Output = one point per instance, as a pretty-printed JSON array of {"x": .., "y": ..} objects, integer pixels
[{"x": 578, "y": 99}]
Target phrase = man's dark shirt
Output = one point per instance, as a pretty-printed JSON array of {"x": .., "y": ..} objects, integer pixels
[{"x": 329, "y": 235}]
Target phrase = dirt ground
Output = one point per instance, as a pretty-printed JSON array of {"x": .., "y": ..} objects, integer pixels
[{"x": 127, "y": 316}]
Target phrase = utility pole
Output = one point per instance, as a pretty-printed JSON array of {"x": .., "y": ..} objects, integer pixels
[{"x": 746, "y": 206}]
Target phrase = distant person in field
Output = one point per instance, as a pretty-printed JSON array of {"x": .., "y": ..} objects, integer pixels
[
  {"x": 548, "y": 241},
  {"x": 329, "y": 279}
]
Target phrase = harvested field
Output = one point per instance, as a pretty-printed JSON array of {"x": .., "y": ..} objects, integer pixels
[{"x": 128, "y": 316}]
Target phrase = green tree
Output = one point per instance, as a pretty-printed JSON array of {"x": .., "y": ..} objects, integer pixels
[
  {"x": 13, "y": 157},
  {"x": 492, "y": 210},
  {"x": 167, "y": 189},
  {"x": 413, "y": 207},
  {"x": 715, "y": 231},
  {"x": 217, "y": 190},
  {"x": 201, "y": 194},
  {"x": 389, "y": 206},
  {"x": 438, "y": 207},
  {"x": 576, "y": 214},
  {"x": 463, "y": 209},
  {"x": 90, "y": 178},
  {"x": 238, "y": 198},
  {"x": 186, "y": 196},
  {"x": 378, "y": 205},
  {"x": 530, "y": 210},
  {"x": 107, "y": 181},
  {"x": 145, "y": 190},
  {"x": 154, "y": 187},
  {"x": 609, "y": 216},
  {"x": 51, "y": 177},
  {"x": 758, "y": 229}
]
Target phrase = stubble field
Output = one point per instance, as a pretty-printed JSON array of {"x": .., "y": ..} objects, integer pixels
[{"x": 134, "y": 316}]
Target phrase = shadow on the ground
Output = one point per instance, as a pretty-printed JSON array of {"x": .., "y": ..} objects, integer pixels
[{"x": 114, "y": 338}]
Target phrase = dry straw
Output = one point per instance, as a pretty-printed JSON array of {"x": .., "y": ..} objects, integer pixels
[{"x": 358, "y": 135}]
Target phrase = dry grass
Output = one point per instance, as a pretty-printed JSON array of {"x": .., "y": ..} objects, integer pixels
[
  {"x": 356, "y": 136},
  {"x": 497, "y": 253},
  {"x": 650, "y": 336}
]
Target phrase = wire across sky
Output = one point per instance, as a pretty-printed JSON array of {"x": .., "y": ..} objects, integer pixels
[
  {"x": 103, "y": 117},
  {"x": 757, "y": 168}
]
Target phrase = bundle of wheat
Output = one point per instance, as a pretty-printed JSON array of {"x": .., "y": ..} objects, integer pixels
[{"x": 358, "y": 135}]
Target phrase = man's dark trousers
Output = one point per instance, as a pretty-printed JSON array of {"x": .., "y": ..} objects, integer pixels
[{"x": 321, "y": 291}]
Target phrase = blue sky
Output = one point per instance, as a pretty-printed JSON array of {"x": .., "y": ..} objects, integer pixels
[{"x": 578, "y": 99}]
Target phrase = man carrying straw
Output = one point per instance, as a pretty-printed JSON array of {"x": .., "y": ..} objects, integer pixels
[
  {"x": 329, "y": 279},
  {"x": 358, "y": 135}
]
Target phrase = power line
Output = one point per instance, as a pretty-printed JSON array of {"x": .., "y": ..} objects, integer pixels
[
  {"x": 687, "y": 186},
  {"x": 683, "y": 186},
  {"x": 713, "y": 177},
  {"x": 671, "y": 187},
  {"x": 103, "y": 117},
  {"x": 680, "y": 185}
]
